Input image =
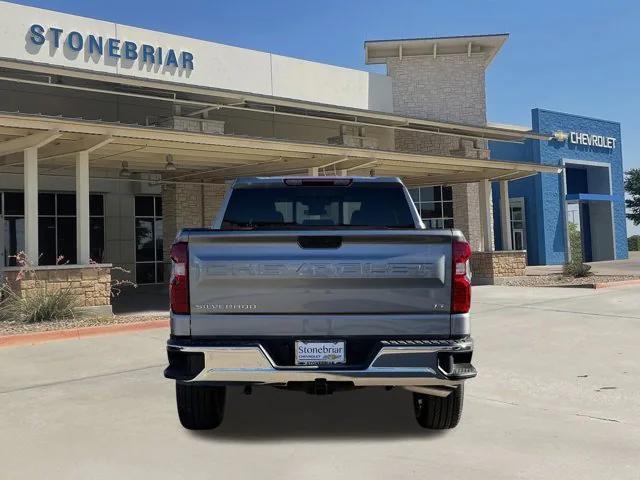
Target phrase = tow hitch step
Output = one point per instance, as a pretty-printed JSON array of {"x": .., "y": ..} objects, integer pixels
[{"x": 463, "y": 370}]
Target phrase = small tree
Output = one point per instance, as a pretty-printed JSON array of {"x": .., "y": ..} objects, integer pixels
[{"x": 632, "y": 187}]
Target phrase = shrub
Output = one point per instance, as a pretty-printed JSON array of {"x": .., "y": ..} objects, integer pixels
[
  {"x": 634, "y": 243},
  {"x": 37, "y": 305},
  {"x": 575, "y": 243},
  {"x": 576, "y": 269}
]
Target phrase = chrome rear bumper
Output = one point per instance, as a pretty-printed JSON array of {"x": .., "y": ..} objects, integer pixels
[{"x": 397, "y": 363}]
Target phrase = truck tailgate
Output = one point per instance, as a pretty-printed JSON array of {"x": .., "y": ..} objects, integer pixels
[{"x": 351, "y": 282}]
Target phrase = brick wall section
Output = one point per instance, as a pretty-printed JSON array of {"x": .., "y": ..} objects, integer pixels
[
  {"x": 492, "y": 265},
  {"x": 188, "y": 205},
  {"x": 449, "y": 88},
  {"x": 91, "y": 284},
  {"x": 213, "y": 196}
]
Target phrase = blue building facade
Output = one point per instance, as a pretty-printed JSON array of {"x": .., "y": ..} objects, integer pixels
[{"x": 589, "y": 192}]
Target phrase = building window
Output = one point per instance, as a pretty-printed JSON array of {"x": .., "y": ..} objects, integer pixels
[
  {"x": 56, "y": 227},
  {"x": 149, "y": 245},
  {"x": 435, "y": 206}
]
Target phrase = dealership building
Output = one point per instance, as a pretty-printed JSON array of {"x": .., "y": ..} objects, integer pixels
[{"x": 112, "y": 138}]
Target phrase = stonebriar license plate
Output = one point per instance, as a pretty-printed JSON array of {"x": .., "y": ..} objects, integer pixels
[{"x": 314, "y": 352}]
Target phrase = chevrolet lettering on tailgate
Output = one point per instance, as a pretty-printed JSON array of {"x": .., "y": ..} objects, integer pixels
[{"x": 321, "y": 269}]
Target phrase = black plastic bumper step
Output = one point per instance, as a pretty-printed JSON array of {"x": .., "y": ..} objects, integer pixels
[{"x": 463, "y": 370}]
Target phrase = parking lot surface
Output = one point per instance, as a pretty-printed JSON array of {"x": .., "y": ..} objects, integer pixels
[{"x": 557, "y": 396}]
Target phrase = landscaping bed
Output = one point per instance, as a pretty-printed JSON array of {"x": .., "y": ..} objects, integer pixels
[
  {"x": 556, "y": 280},
  {"x": 15, "y": 328}
]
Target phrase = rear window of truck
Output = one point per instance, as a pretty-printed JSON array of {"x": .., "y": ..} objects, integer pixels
[{"x": 354, "y": 206}]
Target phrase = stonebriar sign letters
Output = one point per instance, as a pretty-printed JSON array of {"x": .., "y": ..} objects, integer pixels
[{"x": 110, "y": 47}]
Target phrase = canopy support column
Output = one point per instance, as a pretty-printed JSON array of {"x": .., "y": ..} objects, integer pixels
[
  {"x": 486, "y": 220},
  {"x": 31, "y": 248},
  {"x": 505, "y": 215},
  {"x": 82, "y": 208}
]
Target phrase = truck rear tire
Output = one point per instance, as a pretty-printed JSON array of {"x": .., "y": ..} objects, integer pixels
[
  {"x": 439, "y": 413},
  {"x": 200, "y": 407}
]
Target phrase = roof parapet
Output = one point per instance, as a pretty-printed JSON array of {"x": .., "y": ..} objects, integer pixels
[{"x": 378, "y": 51}]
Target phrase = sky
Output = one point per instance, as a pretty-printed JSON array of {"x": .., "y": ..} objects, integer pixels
[{"x": 577, "y": 56}]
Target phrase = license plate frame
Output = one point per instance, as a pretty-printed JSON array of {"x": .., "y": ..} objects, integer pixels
[{"x": 335, "y": 354}]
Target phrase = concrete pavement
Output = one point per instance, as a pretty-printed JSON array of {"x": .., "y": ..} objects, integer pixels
[
  {"x": 557, "y": 396},
  {"x": 630, "y": 266}
]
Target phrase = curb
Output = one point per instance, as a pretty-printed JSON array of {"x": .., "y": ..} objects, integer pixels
[{"x": 77, "y": 333}]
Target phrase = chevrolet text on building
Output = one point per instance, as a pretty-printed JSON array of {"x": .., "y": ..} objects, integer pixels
[
  {"x": 586, "y": 139},
  {"x": 592, "y": 140},
  {"x": 114, "y": 47}
]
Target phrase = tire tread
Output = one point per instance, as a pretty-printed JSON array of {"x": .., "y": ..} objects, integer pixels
[
  {"x": 200, "y": 407},
  {"x": 439, "y": 413}
]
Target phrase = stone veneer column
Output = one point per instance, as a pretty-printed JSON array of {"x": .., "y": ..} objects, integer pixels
[
  {"x": 466, "y": 213},
  {"x": 213, "y": 196},
  {"x": 188, "y": 205},
  {"x": 448, "y": 88}
]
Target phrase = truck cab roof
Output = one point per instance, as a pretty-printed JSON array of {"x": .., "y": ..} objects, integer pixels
[{"x": 298, "y": 180}]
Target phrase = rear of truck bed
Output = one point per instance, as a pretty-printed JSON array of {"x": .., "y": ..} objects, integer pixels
[{"x": 298, "y": 287}]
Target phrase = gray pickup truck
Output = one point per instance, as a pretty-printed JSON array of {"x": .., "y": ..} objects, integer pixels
[{"x": 319, "y": 284}]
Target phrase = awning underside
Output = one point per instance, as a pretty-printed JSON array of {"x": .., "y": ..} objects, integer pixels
[
  {"x": 217, "y": 158},
  {"x": 197, "y": 101}
]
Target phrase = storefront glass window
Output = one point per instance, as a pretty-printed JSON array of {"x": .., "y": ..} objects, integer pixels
[
  {"x": 435, "y": 205},
  {"x": 56, "y": 227}
]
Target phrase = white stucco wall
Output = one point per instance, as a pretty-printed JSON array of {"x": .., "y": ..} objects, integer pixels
[{"x": 215, "y": 65}]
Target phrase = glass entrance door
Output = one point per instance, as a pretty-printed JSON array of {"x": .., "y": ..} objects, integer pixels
[{"x": 518, "y": 224}]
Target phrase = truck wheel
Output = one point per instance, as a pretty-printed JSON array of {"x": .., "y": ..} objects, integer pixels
[
  {"x": 439, "y": 413},
  {"x": 200, "y": 407}
]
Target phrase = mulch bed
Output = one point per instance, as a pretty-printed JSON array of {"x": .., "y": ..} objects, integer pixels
[
  {"x": 556, "y": 280},
  {"x": 15, "y": 328}
]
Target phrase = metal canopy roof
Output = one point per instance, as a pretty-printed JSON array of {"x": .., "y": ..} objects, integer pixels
[
  {"x": 198, "y": 99},
  {"x": 212, "y": 158}
]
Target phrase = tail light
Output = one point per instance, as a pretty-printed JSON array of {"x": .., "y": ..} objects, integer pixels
[
  {"x": 179, "y": 283},
  {"x": 461, "y": 278}
]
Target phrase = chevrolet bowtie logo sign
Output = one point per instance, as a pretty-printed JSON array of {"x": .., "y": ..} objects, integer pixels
[{"x": 560, "y": 136}]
